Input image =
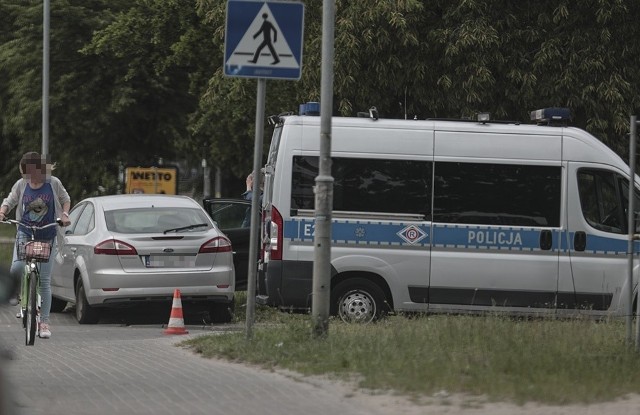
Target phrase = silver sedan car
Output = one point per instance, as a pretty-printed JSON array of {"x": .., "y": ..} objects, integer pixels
[{"x": 127, "y": 249}]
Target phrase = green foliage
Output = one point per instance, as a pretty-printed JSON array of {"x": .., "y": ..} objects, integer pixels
[
  {"x": 550, "y": 361},
  {"x": 132, "y": 81}
]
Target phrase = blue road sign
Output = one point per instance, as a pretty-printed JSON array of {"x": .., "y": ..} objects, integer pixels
[{"x": 264, "y": 39}]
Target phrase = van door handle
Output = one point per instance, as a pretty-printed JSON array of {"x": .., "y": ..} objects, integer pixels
[
  {"x": 580, "y": 241},
  {"x": 546, "y": 240}
]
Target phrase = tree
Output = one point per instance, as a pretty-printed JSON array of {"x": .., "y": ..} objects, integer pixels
[
  {"x": 79, "y": 127},
  {"x": 136, "y": 80}
]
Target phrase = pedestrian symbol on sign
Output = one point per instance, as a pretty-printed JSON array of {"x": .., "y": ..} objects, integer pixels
[
  {"x": 262, "y": 39},
  {"x": 266, "y": 30}
]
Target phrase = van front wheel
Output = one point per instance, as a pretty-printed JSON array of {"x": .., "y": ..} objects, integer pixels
[{"x": 357, "y": 300}]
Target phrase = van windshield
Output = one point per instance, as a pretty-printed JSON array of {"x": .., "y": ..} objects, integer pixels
[
  {"x": 273, "y": 148},
  {"x": 271, "y": 163}
]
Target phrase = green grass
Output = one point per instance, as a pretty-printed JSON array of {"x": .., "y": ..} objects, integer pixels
[
  {"x": 548, "y": 361},
  {"x": 6, "y": 249},
  {"x": 6, "y": 252}
]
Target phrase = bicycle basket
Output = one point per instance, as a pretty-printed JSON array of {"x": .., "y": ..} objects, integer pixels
[{"x": 28, "y": 249}]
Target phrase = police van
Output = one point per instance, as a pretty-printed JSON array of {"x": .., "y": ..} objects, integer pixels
[{"x": 449, "y": 216}]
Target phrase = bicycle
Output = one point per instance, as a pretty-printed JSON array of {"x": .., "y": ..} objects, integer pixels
[{"x": 33, "y": 252}]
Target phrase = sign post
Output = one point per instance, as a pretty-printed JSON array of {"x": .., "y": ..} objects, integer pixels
[
  {"x": 324, "y": 183},
  {"x": 632, "y": 234},
  {"x": 262, "y": 40}
]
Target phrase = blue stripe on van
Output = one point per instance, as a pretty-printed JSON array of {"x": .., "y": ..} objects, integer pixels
[
  {"x": 485, "y": 237},
  {"x": 603, "y": 245},
  {"x": 362, "y": 232},
  {"x": 450, "y": 236}
]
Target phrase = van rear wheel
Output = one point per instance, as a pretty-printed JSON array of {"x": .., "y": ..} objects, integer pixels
[{"x": 358, "y": 300}]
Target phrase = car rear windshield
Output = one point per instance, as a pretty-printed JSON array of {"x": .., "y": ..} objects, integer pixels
[{"x": 154, "y": 219}]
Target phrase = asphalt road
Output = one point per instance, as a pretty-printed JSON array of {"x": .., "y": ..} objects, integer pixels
[{"x": 126, "y": 365}]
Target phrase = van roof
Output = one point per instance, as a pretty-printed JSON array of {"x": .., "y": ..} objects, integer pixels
[
  {"x": 578, "y": 145},
  {"x": 439, "y": 125}
]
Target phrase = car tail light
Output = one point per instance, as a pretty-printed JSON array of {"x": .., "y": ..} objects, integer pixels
[
  {"x": 275, "y": 234},
  {"x": 217, "y": 244},
  {"x": 114, "y": 247}
]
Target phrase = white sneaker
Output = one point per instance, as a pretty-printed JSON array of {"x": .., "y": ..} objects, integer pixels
[
  {"x": 44, "y": 332},
  {"x": 19, "y": 313}
]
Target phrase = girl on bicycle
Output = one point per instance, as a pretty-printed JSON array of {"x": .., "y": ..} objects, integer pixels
[{"x": 39, "y": 198}]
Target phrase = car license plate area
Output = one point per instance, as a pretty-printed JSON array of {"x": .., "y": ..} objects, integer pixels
[{"x": 169, "y": 261}]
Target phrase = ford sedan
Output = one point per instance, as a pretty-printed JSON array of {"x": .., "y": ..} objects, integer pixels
[{"x": 129, "y": 249}]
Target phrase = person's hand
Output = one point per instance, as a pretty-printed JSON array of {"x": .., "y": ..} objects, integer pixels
[
  {"x": 2, "y": 217},
  {"x": 249, "y": 182},
  {"x": 65, "y": 219}
]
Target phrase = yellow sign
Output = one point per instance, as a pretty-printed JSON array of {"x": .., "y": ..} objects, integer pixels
[{"x": 152, "y": 180}]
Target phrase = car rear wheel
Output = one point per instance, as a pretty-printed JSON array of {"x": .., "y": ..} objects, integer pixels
[
  {"x": 85, "y": 314},
  {"x": 57, "y": 305},
  {"x": 221, "y": 312},
  {"x": 358, "y": 300}
]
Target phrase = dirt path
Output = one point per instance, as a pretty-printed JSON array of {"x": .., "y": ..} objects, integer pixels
[{"x": 443, "y": 403}]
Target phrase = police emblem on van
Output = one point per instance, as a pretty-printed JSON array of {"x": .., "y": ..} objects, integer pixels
[{"x": 412, "y": 234}]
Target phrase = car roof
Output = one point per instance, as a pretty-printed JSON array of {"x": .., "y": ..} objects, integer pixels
[{"x": 114, "y": 202}]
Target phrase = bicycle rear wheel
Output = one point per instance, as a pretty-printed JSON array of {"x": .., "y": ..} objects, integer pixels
[{"x": 32, "y": 309}]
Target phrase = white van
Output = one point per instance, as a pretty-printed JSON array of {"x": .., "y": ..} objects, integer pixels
[{"x": 449, "y": 216}]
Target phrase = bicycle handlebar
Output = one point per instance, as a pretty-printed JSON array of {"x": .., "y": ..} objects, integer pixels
[{"x": 32, "y": 227}]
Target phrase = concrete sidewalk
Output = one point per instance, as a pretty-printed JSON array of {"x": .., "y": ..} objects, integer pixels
[{"x": 114, "y": 369}]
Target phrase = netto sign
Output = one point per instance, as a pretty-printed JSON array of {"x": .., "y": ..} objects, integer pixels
[{"x": 150, "y": 180}]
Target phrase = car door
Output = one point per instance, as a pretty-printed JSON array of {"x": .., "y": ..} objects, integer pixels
[
  {"x": 231, "y": 217},
  {"x": 65, "y": 260},
  {"x": 496, "y": 236},
  {"x": 82, "y": 218},
  {"x": 597, "y": 238}
]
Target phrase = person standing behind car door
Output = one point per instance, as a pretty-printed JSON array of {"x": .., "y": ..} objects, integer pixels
[{"x": 248, "y": 195}]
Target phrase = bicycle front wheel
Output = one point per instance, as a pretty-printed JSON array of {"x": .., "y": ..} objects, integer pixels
[{"x": 32, "y": 309}]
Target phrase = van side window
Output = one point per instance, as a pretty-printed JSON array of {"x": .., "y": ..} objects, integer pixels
[
  {"x": 366, "y": 185},
  {"x": 497, "y": 194},
  {"x": 604, "y": 200}
]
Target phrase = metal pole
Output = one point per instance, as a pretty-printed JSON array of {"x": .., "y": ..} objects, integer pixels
[
  {"x": 155, "y": 180},
  {"x": 45, "y": 78},
  {"x": 255, "y": 208},
  {"x": 206, "y": 185},
  {"x": 218, "y": 182},
  {"x": 631, "y": 220},
  {"x": 324, "y": 183}
]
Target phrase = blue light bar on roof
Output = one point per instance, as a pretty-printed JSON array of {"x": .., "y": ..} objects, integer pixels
[
  {"x": 551, "y": 115},
  {"x": 310, "y": 108}
]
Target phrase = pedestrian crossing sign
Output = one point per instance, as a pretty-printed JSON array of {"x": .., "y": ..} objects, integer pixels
[{"x": 264, "y": 39}]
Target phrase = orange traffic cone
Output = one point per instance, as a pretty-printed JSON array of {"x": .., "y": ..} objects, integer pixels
[{"x": 176, "y": 320}]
